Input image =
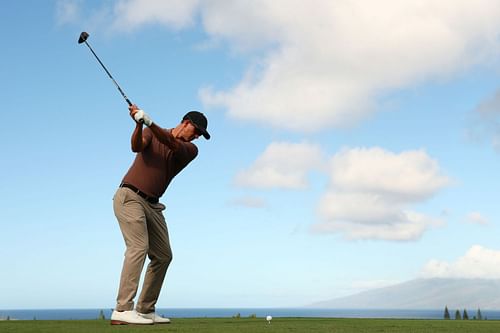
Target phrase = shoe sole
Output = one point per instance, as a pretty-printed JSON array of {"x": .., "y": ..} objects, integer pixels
[{"x": 119, "y": 322}]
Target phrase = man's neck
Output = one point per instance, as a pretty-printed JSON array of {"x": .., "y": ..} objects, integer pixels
[{"x": 176, "y": 132}]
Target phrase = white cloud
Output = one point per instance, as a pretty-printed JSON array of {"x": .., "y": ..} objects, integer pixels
[
  {"x": 282, "y": 165},
  {"x": 478, "y": 262},
  {"x": 410, "y": 175},
  {"x": 67, "y": 11},
  {"x": 371, "y": 191},
  {"x": 411, "y": 227},
  {"x": 176, "y": 14},
  {"x": 476, "y": 218},
  {"x": 332, "y": 61},
  {"x": 328, "y": 63}
]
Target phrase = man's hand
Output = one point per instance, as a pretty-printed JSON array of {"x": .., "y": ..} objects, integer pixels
[
  {"x": 133, "y": 110},
  {"x": 140, "y": 116}
]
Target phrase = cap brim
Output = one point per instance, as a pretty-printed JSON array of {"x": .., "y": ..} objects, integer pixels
[{"x": 203, "y": 132}]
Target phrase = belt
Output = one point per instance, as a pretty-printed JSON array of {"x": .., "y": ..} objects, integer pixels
[{"x": 146, "y": 197}]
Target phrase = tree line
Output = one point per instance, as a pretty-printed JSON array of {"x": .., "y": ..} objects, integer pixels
[{"x": 464, "y": 316}]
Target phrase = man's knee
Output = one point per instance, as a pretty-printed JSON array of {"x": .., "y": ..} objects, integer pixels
[
  {"x": 166, "y": 258},
  {"x": 163, "y": 257}
]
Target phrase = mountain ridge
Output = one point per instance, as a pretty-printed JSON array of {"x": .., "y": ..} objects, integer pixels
[{"x": 429, "y": 293}]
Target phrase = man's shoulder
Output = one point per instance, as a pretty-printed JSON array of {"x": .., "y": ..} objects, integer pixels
[{"x": 190, "y": 148}]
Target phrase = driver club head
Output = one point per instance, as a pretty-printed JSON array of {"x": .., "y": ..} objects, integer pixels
[{"x": 83, "y": 37}]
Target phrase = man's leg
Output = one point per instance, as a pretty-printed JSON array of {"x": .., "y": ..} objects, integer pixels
[
  {"x": 130, "y": 214},
  {"x": 160, "y": 255}
]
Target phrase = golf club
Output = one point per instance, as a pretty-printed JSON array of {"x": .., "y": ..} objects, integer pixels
[{"x": 83, "y": 39}]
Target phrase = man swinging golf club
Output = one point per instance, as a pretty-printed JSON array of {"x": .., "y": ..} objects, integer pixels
[{"x": 161, "y": 155}]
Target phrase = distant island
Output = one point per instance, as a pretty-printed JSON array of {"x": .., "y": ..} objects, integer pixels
[{"x": 432, "y": 293}]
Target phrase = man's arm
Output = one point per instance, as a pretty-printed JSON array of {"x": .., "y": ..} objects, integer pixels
[
  {"x": 164, "y": 137},
  {"x": 161, "y": 134},
  {"x": 138, "y": 142}
]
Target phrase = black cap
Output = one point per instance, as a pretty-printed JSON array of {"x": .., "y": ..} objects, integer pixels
[{"x": 199, "y": 121}]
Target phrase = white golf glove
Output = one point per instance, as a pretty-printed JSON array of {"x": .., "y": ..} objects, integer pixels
[{"x": 142, "y": 117}]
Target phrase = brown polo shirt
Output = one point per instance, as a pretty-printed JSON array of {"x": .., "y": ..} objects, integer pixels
[{"x": 155, "y": 167}]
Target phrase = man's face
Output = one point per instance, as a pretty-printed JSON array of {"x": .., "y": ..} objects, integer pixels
[{"x": 189, "y": 132}]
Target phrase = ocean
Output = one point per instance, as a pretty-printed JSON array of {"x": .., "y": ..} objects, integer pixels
[{"x": 79, "y": 314}]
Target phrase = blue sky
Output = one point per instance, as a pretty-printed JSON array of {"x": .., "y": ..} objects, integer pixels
[{"x": 353, "y": 146}]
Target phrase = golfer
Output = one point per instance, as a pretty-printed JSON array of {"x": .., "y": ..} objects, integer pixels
[{"x": 161, "y": 155}]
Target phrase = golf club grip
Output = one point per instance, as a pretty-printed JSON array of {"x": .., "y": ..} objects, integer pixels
[{"x": 130, "y": 104}]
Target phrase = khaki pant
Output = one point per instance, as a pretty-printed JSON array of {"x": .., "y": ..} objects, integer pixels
[{"x": 145, "y": 233}]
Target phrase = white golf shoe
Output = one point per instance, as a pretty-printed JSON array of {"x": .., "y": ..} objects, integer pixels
[
  {"x": 129, "y": 317},
  {"x": 156, "y": 318}
]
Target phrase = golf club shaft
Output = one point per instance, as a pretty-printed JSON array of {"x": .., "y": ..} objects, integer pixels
[{"x": 109, "y": 74}]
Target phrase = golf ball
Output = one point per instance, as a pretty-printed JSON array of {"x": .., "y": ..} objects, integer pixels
[{"x": 269, "y": 318}]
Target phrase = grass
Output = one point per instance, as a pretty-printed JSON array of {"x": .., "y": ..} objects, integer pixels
[{"x": 278, "y": 325}]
